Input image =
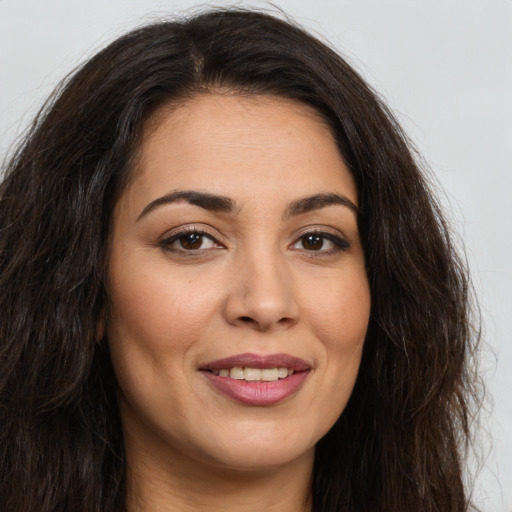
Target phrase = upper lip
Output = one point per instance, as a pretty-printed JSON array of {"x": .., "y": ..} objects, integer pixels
[{"x": 258, "y": 361}]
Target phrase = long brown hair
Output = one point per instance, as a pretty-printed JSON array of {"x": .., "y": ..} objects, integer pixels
[{"x": 400, "y": 443}]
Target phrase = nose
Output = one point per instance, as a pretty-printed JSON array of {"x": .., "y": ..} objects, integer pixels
[{"x": 261, "y": 294}]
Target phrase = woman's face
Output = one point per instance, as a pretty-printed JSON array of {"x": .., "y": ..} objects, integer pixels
[{"x": 239, "y": 300}]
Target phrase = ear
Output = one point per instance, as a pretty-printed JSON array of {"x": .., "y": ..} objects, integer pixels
[{"x": 101, "y": 325}]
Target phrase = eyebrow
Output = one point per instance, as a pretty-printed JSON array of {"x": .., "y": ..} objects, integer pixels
[
  {"x": 316, "y": 202},
  {"x": 216, "y": 203},
  {"x": 211, "y": 202}
]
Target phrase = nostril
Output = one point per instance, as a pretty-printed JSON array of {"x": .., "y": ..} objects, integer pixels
[{"x": 249, "y": 321}]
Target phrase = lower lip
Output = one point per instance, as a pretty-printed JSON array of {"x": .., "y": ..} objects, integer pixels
[{"x": 259, "y": 393}]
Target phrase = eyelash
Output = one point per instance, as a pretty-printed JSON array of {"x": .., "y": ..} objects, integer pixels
[
  {"x": 339, "y": 243},
  {"x": 181, "y": 234}
]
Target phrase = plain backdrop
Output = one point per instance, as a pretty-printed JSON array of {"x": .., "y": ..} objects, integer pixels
[{"x": 445, "y": 68}]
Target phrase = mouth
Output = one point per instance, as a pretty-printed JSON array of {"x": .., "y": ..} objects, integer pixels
[
  {"x": 257, "y": 380},
  {"x": 255, "y": 374}
]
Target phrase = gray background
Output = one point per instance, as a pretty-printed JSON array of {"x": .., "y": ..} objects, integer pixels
[{"x": 444, "y": 66}]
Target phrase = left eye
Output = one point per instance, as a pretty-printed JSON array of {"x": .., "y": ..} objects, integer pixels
[{"x": 320, "y": 242}]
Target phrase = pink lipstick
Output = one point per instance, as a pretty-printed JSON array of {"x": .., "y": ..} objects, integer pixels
[{"x": 257, "y": 380}]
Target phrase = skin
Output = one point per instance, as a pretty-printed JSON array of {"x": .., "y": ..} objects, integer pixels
[{"x": 254, "y": 284}]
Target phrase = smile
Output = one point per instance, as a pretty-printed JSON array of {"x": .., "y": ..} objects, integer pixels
[
  {"x": 255, "y": 374},
  {"x": 257, "y": 380}
]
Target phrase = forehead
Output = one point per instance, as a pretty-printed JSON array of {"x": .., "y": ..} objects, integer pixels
[{"x": 228, "y": 144}]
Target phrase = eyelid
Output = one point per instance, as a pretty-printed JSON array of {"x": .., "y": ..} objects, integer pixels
[
  {"x": 175, "y": 233},
  {"x": 334, "y": 235},
  {"x": 317, "y": 229},
  {"x": 191, "y": 228}
]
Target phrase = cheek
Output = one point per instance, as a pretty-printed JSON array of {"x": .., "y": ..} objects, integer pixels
[
  {"x": 340, "y": 310},
  {"x": 153, "y": 322},
  {"x": 339, "y": 317},
  {"x": 155, "y": 318},
  {"x": 157, "y": 307}
]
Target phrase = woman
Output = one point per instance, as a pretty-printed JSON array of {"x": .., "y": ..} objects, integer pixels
[{"x": 225, "y": 285}]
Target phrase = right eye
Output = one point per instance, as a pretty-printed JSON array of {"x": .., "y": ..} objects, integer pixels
[{"x": 190, "y": 241}]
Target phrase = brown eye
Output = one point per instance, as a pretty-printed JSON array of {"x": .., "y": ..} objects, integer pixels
[
  {"x": 191, "y": 241},
  {"x": 312, "y": 242},
  {"x": 323, "y": 243}
]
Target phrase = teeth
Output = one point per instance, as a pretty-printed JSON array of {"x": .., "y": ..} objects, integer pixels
[
  {"x": 255, "y": 374},
  {"x": 269, "y": 374},
  {"x": 237, "y": 373},
  {"x": 252, "y": 374}
]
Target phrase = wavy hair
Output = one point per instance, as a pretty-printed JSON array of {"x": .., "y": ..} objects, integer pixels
[{"x": 400, "y": 443}]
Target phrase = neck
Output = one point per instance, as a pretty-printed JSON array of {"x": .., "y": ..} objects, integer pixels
[{"x": 161, "y": 481}]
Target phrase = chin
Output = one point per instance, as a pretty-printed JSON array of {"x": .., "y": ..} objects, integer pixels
[
  {"x": 259, "y": 449},
  {"x": 254, "y": 459}
]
